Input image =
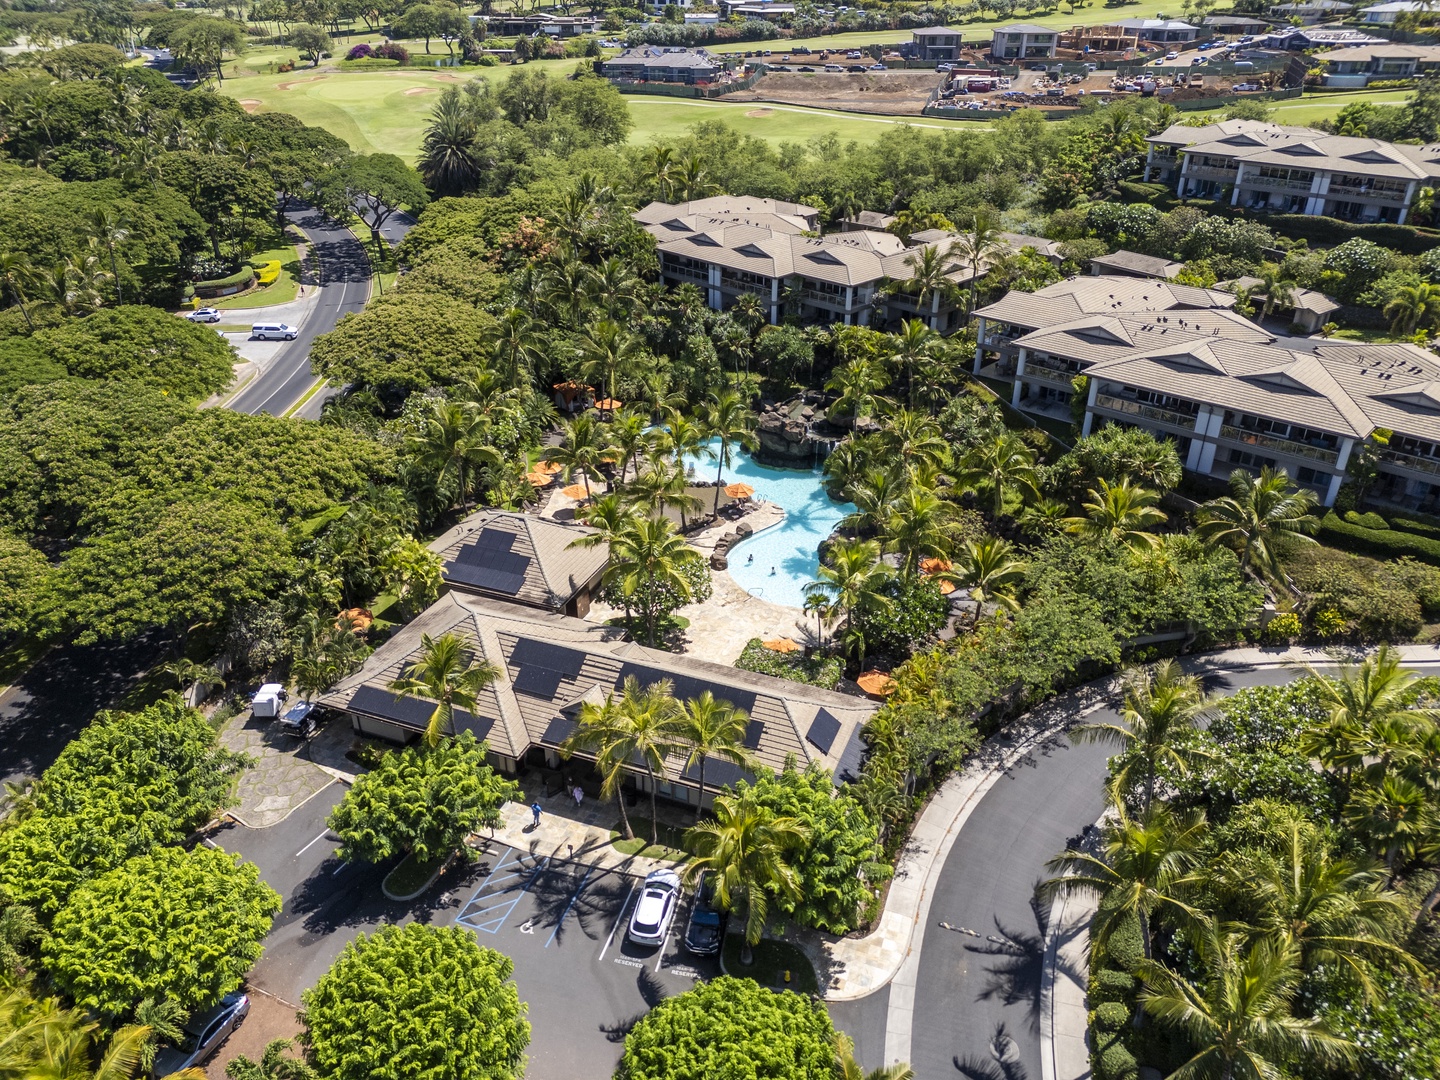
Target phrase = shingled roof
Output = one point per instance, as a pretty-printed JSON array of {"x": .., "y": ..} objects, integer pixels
[{"x": 519, "y": 557}]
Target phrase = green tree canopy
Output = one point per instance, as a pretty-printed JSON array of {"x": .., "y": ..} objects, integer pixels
[
  {"x": 421, "y": 800},
  {"x": 417, "y": 1001},
  {"x": 26, "y": 582},
  {"x": 128, "y": 782},
  {"x": 145, "y": 344},
  {"x": 731, "y": 1027},
  {"x": 180, "y": 925}
]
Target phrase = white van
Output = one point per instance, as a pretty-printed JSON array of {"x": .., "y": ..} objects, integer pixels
[
  {"x": 833, "y": 67},
  {"x": 266, "y": 331}
]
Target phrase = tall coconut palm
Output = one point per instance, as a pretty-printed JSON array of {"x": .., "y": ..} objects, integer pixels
[
  {"x": 1003, "y": 463},
  {"x": 648, "y": 561},
  {"x": 1124, "y": 513},
  {"x": 849, "y": 1068},
  {"x": 19, "y": 276},
  {"x": 455, "y": 440},
  {"x": 110, "y": 229},
  {"x": 584, "y": 448},
  {"x": 664, "y": 487},
  {"x": 607, "y": 352},
  {"x": 514, "y": 342},
  {"x": 646, "y": 734},
  {"x": 1335, "y": 910},
  {"x": 1411, "y": 307},
  {"x": 629, "y": 431},
  {"x": 446, "y": 673},
  {"x": 1397, "y": 818},
  {"x": 686, "y": 439},
  {"x": 876, "y": 494},
  {"x": 598, "y": 726},
  {"x": 712, "y": 729},
  {"x": 728, "y": 418},
  {"x": 1279, "y": 290},
  {"x": 911, "y": 349},
  {"x": 929, "y": 281},
  {"x": 1256, "y": 516},
  {"x": 39, "y": 1039},
  {"x": 989, "y": 570},
  {"x": 858, "y": 383},
  {"x": 610, "y": 516},
  {"x": 690, "y": 180},
  {"x": 976, "y": 247},
  {"x": 1160, "y": 714},
  {"x": 852, "y": 582},
  {"x": 914, "y": 441},
  {"x": 919, "y": 526},
  {"x": 613, "y": 288},
  {"x": 1237, "y": 1016},
  {"x": 747, "y": 849},
  {"x": 1141, "y": 869}
]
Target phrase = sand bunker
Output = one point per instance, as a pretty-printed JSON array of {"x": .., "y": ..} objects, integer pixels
[
  {"x": 298, "y": 82},
  {"x": 250, "y": 104},
  {"x": 759, "y": 112},
  {"x": 422, "y": 90}
]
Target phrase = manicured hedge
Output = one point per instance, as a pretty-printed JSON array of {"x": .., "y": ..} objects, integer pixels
[
  {"x": 1111, "y": 1016},
  {"x": 1377, "y": 543},
  {"x": 1329, "y": 231},
  {"x": 1366, "y": 521},
  {"x": 1416, "y": 524},
  {"x": 241, "y": 279},
  {"x": 369, "y": 63}
]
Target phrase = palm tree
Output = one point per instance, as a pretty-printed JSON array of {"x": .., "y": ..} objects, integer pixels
[
  {"x": 110, "y": 230},
  {"x": 851, "y": 1069},
  {"x": 607, "y": 351},
  {"x": 746, "y": 848},
  {"x": 914, "y": 346},
  {"x": 686, "y": 438},
  {"x": 641, "y": 729},
  {"x": 1259, "y": 512},
  {"x": 989, "y": 570},
  {"x": 18, "y": 275},
  {"x": 583, "y": 449},
  {"x": 976, "y": 247},
  {"x": 1398, "y": 818},
  {"x": 1335, "y": 910},
  {"x": 852, "y": 583},
  {"x": 712, "y": 728},
  {"x": 1161, "y": 712},
  {"x": 728, "y": 418},
  {"x": 1001, "y": 463},
  {"x": 447, "y": 674},
  {"x": 613, "y": 287},
  {"x": 455, "y": 439},
  {"x": 1279, "y": 290},
  {"x": 1411, "y": 306},
  {"x": 1142, "y": 868},
  {"x": 1238, "y": 1018},
  {"x": 690, "y": 180},
  {"x": 875, "y": 495},
  {"x": 649, "y": 561},
  {"x": 162, "y": 1020},
  {"x": 40, "y": 1039},
  {"x": 629, "y": 431},
  {"x": 919, "y": 525},
  {"x": 664, "y": 487},
  {"x": 914, "y": 441},
  {"x": 513, "y": 341},
  {"x": 597, "y": 727},
  {"x": 859, "y": 384},
  {"x": 929, "y": 281},
  {"x": 1122, "y": 512}
]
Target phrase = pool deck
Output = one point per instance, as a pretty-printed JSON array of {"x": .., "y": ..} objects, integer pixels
[{"x": 720, "y": 627}]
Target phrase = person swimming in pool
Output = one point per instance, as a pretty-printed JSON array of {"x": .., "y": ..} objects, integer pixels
[
  {"x": 751, "y": 559},
  {"x": 772, "y": 571}
]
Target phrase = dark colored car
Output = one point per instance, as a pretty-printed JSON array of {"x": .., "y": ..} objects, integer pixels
[
  {"x": 706, "y": 928},
  {"x": 299, "y": 720},
  {"x": 202, "y": 1035},
  {"x": 807, "y": 68}
]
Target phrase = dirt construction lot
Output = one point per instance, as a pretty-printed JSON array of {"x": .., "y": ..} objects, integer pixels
[{"x": 889, "y": 93}]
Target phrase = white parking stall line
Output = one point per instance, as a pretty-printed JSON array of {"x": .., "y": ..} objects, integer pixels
[
  {"x": 619, "y": 919},
  {"x": 311, "y": 844},
  {"x": 660, "y": 960}
]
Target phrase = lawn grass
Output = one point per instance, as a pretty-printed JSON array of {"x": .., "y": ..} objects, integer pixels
[
  {"x": 670, "y": 118},
  {"x": 772, "y": 960},
  {"x": 1312, "y": 107},
  {"x": 411, "y": 875},
  {"x": 670, "y": 847},
  {"x": 280, "y": 291}
]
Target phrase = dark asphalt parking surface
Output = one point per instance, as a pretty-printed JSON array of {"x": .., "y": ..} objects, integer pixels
[{"x": 562, "y": 921}]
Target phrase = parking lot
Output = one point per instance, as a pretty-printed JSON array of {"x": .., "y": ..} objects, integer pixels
[{"x": 562, "y": 920}]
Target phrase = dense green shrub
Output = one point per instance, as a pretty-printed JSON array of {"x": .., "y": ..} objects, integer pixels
[
  {"x": 816, "y": 669},
  {"x": 1111, "y": 1016},
  {"x": 1374, "y": 597},
  {"x": 915, "y": 614},
  {"x": 241, "y": 279},
  {"x": 1112, "y": 985},
  {"x": 1371, "y": 520},
  {"x": 1415, "y": 525},
  {"x": 1378, "y": 543},
  {"x": 1284, "y": 627},
  {"x": 1124, "y": 948},
  {"x": 1327, "y": 231},
  {"x": 1112, "y": 1059}
]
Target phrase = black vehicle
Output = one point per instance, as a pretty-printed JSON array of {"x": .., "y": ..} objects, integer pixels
[
  {"x": 706, "y": 928},
  {"x": 807, "y": 68},
  {"x": 856, "y": 69}
]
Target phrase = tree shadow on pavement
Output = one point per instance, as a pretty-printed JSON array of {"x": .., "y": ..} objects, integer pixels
[
  {"x": 1017, "y": 976},
  {"x": 1002, "y": 1064},
  {"x": 652, "y": 991}
]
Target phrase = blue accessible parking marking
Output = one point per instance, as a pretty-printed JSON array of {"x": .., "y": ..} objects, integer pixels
[{"x": 497, "y": 896}]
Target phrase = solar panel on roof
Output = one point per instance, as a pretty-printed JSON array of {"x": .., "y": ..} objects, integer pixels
[
  {"x": 687, "y": 686},
  {"x": 531, "y": 653},
  {"x": 558, "y": 730},
  {"x": 488, "y": 563},
  {"x": 414, "y": 712},
  {"x": 718, "y": 773},
  {"x": 538, "y": 682},
  {"x": 823, "y": 730},
  {"x": 753, "y": 731}
]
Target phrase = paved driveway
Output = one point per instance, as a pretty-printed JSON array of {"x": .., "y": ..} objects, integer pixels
[{"x": 562, "y": 921}]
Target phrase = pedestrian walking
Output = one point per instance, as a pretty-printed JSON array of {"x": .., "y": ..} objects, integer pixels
[
  {"x": 535, "y": 809},
  {"x": 578, "y": 793}
]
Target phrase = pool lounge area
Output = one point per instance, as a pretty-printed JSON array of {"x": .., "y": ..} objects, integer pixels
[{"x": 777, "y": 563}]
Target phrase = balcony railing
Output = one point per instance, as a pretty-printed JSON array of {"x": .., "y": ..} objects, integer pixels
[
  {"x": 829, "y": 299},
  {"x": 686, "y": 271},
  {"x": 1280, "y": 446},
  {"x": 1149, "y": 412},
  {"x": 1413, "y": 462},
  {"x": 1344, "y": 191},
  {"x": 1208, "y": 172},
  {"x": 1270, "y": 183}
]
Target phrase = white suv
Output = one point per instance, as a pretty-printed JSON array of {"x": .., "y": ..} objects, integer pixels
[
  {"x": 655, "y": 909},
  {"x": 266, "y": 331}
]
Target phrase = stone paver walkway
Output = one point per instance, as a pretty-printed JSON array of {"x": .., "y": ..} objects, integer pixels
[{"x": 278, "y": 781}]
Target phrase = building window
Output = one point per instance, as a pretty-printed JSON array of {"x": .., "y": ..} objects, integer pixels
[{"x": 1246, "y": 460}]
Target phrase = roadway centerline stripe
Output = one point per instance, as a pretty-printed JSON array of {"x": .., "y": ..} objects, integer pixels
[
  {"x": 574, "y": 896},
  {"x": 311, "y": 844},
  {"x": 619, "y": 918}
]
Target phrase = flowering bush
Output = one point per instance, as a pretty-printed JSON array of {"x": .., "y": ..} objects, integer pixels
[
  {"x": 1282, "y": 628},
  {"x": 390, "y": 51},
  {"x": 360, "y": 52}
]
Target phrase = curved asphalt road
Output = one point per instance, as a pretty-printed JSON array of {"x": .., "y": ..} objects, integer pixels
[
  {"x": 972, "y": 989},
  {"x": 344, "y": 288}
]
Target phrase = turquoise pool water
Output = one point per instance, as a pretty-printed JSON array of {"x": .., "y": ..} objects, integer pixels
[{"x": 779, "y": 562}]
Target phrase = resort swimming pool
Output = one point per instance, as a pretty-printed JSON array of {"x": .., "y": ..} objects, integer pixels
[{"x": 790, "y": 548}]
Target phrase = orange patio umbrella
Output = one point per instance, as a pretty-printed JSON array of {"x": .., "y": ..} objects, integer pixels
[
  {"x": 356, "y": 619},
  {"x": 549, "y": 468},
  {"x": 876, "y": 683},
  {"x": 574, "y": 491},
  {"x": 609, "y": 405},
  {"x": 539, "y": 479},
  {"x": 739, "y": 491},
  {"x": 945, "y": 587},
  {"x": 930, "y": 566},
  {"x": 781, "y": 645}
]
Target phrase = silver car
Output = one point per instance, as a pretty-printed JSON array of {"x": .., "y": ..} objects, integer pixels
[
  {"x": 203, "y": 1034},
  {"x": 655, "y": 909}
]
